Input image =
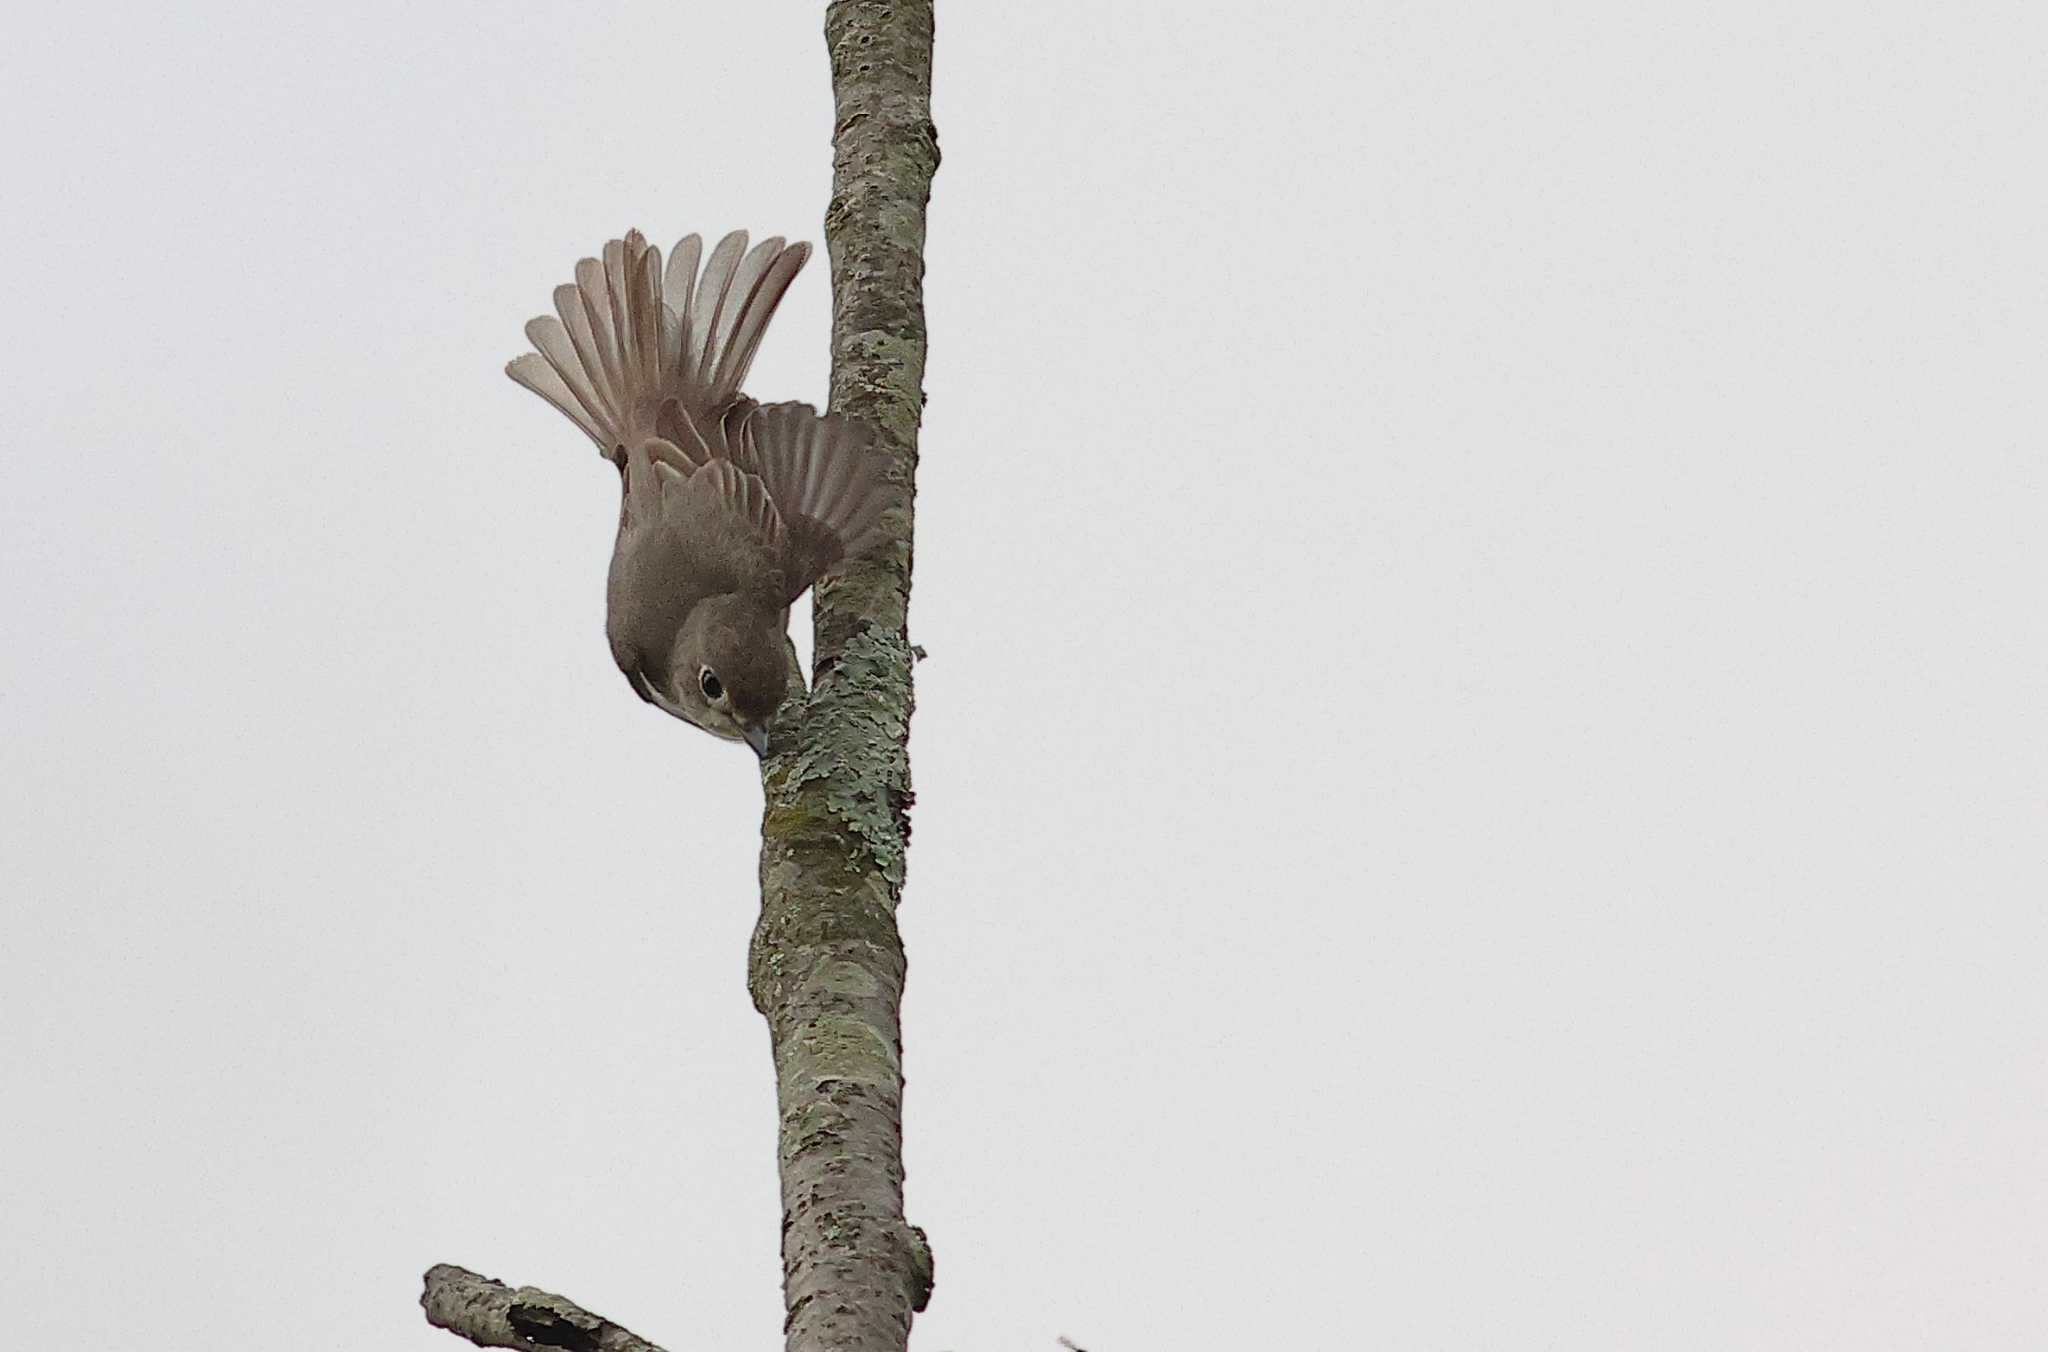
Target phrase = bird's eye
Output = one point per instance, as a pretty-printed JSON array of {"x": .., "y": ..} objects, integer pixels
[{"x": 708, "y": 682}]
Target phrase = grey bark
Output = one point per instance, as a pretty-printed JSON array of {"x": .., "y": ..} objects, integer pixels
[
  {"x": 827, "y": 964},
  {"x": 492, "y": 1314}
]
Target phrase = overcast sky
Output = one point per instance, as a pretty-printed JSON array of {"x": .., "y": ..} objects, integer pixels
[{"x": 1482, "y": 767}]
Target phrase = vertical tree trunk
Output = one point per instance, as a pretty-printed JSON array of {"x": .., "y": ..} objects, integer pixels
[{"x": 826, "y": 968}]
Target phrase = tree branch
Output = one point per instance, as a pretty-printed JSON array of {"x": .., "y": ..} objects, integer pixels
[
  {"x": 492, "y": 1314},
  {"x": 826, "y": 968}
]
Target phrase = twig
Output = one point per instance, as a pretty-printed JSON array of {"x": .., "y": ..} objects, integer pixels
[{"x": 492, "y": 1314}]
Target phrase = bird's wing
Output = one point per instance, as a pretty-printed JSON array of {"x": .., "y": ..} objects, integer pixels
[
  {"x": 722, "y": 507},
  {"x": 825, "y": 482},
  {"x": 686, "y": 535},
  {"x": 630, "y": 336}
]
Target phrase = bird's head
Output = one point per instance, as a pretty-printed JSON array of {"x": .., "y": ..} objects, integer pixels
[{"x": 729, "y": 670}]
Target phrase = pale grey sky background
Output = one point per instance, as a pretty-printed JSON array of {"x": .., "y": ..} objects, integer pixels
[{"x": 1482, "y": 766}]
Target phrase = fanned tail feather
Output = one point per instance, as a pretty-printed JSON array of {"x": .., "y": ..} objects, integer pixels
[{"x": 630, "y": 336}]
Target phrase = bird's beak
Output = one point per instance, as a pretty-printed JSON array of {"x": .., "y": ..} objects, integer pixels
[{"x": 757, "y": 738}]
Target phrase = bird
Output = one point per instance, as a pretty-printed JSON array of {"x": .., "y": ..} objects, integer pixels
[{"x": 730, "y": 509}]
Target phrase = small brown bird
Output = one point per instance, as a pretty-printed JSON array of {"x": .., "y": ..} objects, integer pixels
[{"x": 731, "y": 508}]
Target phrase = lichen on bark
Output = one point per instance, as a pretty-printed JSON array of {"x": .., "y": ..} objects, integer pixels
[
  {"x": 826, "y": 967},
  {"x": 527, "y": 1319}
]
